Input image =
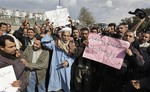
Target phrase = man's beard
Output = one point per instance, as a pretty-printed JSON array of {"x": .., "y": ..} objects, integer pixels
[
  {"x": 8, "y": 31},
  {"x": 35, "y": 49},
  {"x": 142, "y": 41},
  {"x": 75, "y": 37}
]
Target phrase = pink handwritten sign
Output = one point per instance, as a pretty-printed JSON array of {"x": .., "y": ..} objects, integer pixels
[{"x": 106, "y": 50}]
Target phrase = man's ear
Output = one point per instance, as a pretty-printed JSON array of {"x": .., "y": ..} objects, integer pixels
[{"x": 1, "y": 48}]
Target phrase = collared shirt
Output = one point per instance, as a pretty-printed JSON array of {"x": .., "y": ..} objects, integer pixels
[
  {"x": 36, "y": 55},
  {"x": 146, "y": 44}
]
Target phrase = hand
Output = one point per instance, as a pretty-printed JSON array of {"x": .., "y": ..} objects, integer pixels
[
  {"x": 71, "y": 39},
  {"x": 18, "y": 53},
  {"x": 85, "y": 42},
  {"x": 72, "y": 47},
  {"x": 65, "y": 64},
  {"x": 17, "y": 83},
  {"x": 25, "y": 62},
  {"x": 51, "y": 26},
  {"x": 136, "y": 84},
  {"x": 129, "y": 52}
]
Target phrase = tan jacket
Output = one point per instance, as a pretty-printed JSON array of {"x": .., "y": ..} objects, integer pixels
[{"x": 41, "y": 64}]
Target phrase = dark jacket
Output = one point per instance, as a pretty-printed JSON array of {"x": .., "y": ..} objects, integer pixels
[
  {"x": 18, "y": 33},
  {"x": 114, "y": 80},
  {"x": 6, "y": 60},
  {"x": 135, "y": 65},
  {"x": 80, "y": 61},
  {"x": 145, "y": 81},
  {"x": 25, "y": 42}
]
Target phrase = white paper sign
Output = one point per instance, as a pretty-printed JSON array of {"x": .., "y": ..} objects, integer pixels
[
  {"x": 7, "y": 76},
  {"x": 59, "y": 17}
]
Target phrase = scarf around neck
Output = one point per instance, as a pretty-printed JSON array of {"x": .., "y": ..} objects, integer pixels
[
  {"x": 6, "y": 55},
  {"x": 63, "y": 46}
]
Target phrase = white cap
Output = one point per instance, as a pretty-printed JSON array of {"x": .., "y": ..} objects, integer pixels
[{"x": 66, "y": 29}]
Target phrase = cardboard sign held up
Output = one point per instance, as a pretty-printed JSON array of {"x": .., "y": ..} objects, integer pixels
[
  {"x": 59, "y": 17},
  {"x": 106, "y": 50}
]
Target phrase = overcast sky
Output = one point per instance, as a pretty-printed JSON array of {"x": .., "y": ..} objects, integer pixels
[{"x": 103, "y": 10}]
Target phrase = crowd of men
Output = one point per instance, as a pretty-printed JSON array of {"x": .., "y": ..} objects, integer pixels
[{"x": 49, "y": 59}]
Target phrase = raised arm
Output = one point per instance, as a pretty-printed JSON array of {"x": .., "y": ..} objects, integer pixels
[{"x": 134, "y": 29}]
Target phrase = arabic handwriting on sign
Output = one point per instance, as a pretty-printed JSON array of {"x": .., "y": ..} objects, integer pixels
[
  {"x": 112, "y": 42},
  {"x": 4, "y": 74},
  {"x": 93, "y": 50},
  {"x": 90, "y": 51}
]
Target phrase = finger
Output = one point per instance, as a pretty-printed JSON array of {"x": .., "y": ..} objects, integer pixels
[
  {"x": 133, "y": 81},
  {"x": 62, "y": 64},
  {"x": 15, "y": 84}
]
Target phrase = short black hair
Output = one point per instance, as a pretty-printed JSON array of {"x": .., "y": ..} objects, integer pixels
[
  {"x": 3, "y": 38},
  {"x": 112, "y": 24},
  {"x": 84, "y": 29},
  {"x": 124, "y": 23},
  {"x": 2, "y": 23},
  {"x": 94, "y": 28},
  {"x": 74, "y": 28}
]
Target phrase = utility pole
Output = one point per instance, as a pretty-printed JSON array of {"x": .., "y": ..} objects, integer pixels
[
  {"x": 59, "y": 2},
  {"x": 59, "y": 6}
]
